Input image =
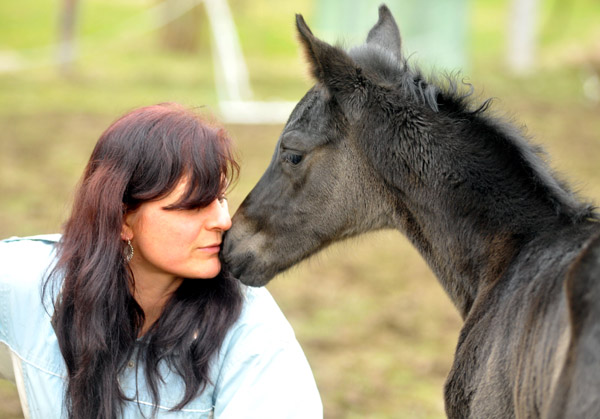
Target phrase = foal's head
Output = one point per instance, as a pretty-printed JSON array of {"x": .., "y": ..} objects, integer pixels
[
  {"x": 320, "y": 187},
  {"x": 374, "y": 145}
]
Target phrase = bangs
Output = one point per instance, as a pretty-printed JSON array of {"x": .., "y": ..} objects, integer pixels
[
  {"x": 169, "y": 144},
  {"x": 209, "y": 171}
]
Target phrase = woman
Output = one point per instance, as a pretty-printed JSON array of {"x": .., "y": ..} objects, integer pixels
[{"x": 130, "y": 312}]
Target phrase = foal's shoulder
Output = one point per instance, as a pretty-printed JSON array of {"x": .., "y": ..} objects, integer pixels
[
  {"x": 579, "y": 381},
  {"x": 583, "y": 283}
]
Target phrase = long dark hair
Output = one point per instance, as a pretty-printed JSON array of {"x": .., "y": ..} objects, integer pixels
[{"x": 140, "y": 157}]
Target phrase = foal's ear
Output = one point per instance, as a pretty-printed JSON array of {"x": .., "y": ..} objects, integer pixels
[
  {"x": 385, "y": 33},
  {"x": 330, "y": 65}
]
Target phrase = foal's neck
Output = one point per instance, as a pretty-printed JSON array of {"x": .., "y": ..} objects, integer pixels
[{"x": 471, "y": 227}]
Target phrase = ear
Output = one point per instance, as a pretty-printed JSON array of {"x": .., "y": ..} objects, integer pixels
[
  {"x": 126, "y": 228},
  {"x": 385, "y": 33},
  {"x": 330, "y": 65}
]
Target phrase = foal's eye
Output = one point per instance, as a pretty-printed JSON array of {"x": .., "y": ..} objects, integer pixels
[{"x": 293, "y": 158}]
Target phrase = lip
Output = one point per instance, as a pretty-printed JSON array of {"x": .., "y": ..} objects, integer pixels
[{"x": 211, "y": 248}]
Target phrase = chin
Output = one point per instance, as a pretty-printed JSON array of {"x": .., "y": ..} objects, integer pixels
[{"x": 210, "y": 271}]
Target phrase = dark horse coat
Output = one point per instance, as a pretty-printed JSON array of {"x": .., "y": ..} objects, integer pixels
[{"x": 376, "y": 145}]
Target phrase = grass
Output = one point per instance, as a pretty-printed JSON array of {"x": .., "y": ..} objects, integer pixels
[{"x": 376, "y": 327}]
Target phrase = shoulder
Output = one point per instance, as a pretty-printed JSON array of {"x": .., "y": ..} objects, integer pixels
[
  {"x": 261, "y": 314},
  {"x": 25, "y": 262},
  {"x": 261, "y": 330},
  {"x": 27, "y": 248},
  {"x": 47, "y": 239},
  {"x": 27, "y": 257},
  {"x": 262, "y": 369},
  {"x": 582, "y": 285}
]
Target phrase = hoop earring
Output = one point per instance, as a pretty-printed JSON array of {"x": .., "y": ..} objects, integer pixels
[{"x": 128, "y": 251}]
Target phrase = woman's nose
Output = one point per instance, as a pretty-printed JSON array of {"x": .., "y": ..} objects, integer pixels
[{"x": 220, "y": 218}]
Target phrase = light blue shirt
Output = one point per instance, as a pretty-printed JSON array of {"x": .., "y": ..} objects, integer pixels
[{"x": 260, "y": 371}]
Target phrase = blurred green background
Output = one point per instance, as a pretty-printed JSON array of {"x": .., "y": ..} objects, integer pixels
[{"x": 375, "y": 326}]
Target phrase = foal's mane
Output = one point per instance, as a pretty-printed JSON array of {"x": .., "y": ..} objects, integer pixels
[{"x": 448, "y": 95}]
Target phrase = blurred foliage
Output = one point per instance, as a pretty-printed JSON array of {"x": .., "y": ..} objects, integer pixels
[{"x": 376, "y": 327}]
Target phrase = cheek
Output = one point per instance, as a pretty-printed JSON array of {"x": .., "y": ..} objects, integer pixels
[
  {"x": 165, "y": 236},
  {"x": 177, "y": 233}
]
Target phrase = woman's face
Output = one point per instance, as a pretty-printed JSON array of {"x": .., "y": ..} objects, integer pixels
[{"x": 176, "y": 243}]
